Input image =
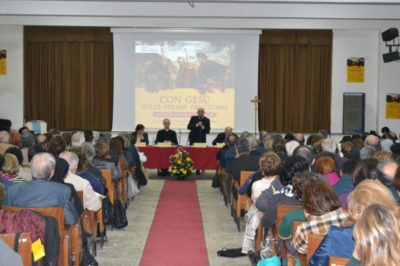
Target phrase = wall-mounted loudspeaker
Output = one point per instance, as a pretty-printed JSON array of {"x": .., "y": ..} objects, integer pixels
[{"x": 353, "y": 112}]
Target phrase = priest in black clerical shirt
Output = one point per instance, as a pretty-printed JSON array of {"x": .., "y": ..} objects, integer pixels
[
  {"x": 166, "y": 134},
  {"x": 199, "y": 126}
]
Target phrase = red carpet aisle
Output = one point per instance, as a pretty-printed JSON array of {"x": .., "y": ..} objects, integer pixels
[{"x": 176, "y": 236}]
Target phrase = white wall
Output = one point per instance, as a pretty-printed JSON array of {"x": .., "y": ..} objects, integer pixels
[
  {"x": 355, "y": 43},
  {"x": 11, "y": 85},
  {"x": 389, "y": 82}
]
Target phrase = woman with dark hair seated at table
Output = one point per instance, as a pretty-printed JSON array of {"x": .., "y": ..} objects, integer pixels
[
  {"x": 339, "y": 240},
  {"x": 140, "y": 135}
]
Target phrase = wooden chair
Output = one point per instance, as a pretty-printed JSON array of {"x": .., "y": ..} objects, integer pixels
[
  {"x": 65, "y": 231},
  {"x": 243, "y": 202},
  {"x": 89, "y": 223},
  {"x": 313, "y": 243},
  {"x": 24, "y": 248},
  {"x": 222, "y": 178},
  {"x": 125, "y": 174},
  {"x": 109, "y": 184},
  {"x": 338, "y": 261},
  {"x": 100, "y": 225}
]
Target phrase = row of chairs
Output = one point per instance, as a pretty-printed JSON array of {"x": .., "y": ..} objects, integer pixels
[
  {"x": 71, "y": 235},
  {"x": 243, "y": 203}
]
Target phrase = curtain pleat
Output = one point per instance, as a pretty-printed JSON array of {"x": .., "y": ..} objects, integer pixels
[
  {"x": 68, "y": 77},
  {"x": 295, "y": 80}
]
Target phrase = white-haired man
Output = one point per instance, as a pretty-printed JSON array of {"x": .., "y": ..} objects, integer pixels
[
  {"x": 91, "y": 200},
  {"x": 77, "y": 139}
]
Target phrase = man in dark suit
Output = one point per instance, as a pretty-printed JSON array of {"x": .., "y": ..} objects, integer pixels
[
  {"x": 199, "y": 126},
  {"x": 221, "y": 137},
  {"x": 40, "y": 193},
  {"x": 166, "y": 134}
]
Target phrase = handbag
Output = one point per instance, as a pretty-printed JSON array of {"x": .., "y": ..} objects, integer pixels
[{"x": 133, "y": 189}]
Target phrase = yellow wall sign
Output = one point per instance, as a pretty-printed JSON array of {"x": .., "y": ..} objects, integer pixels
[
  {"x": 3, "y": 62},
  {"x": 355, "y": 69},
  {"x": 393, "y": 106}
]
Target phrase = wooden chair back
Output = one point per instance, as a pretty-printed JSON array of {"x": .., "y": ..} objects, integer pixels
[
  {"x": 109, "y": 184},
  {"x": 24, "y": 248},
  {"x": 282, "y": 210},
  {"x": 338, "y": 261},
  {"x": 301, "y": 257},
  {"x": 222, "y": 178},
  {"x": 313, "y": 243},
  {"x": 244, "y": 201}
]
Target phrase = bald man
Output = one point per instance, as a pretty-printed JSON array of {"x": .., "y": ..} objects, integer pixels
[
  {"x": 221, "y": 137},
  {"x": 199, "y": 126},
  {"x": 166, "y": 134}
]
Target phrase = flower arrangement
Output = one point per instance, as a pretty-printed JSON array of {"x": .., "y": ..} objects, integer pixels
[{"x": 181, "y": 163}]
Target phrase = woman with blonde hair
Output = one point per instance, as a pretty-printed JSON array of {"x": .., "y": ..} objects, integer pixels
[
  {"x": 377, "y": 237},
  {"x": 10, "y": 169},
  {"x": 339, "y": 240}
]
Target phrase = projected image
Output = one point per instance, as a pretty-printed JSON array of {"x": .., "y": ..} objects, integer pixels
[
  {"x": 205, "y": 66},
  {"x": 174, "y": 78}
]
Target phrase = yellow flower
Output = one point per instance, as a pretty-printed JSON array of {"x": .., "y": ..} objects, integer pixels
[
  {"x": 174, "y": 171},
  {"x": 188, "y": 159},
  {"x": 170, "y": 168},
  {"x": 177, "y": 155},
  {"x": 179, "y": 162},
  {"x": 184, "y": 172}
]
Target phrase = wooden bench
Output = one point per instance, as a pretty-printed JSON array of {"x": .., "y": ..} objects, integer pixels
[
  {"x": 338, "y": 261},
  {"x": 65, "y": 231},
  {"x": 89, "y": 222},
  {"x": 110, "y": 184},
  {"x": 24, "y": 248},
  {"x": 243, "y": 202},
  {"x": 222, "y": 177}
]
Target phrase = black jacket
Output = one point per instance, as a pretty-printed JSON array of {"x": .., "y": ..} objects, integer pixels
[{"x": 198, "y": 134}]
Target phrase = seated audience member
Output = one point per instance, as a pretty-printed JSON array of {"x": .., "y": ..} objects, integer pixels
[
  {"x": 221, "y": 137},
  {"x": 243, "y": 162},
  {"x": 230, "y": 143},
  {"x": 124, "y": 139},
  {"x": 312, "y": 139},
  {"x": 15, "y": 139},
  {"x": 89, "y": 137},
  {"x": 24, "y": 130},
  {"x": 346, "y": 148},
  {"x": 288, "y": 137},
  {"x": 57, "y": 145},
  {"x": 278, "y": 147},
  {"x": 339, "y": 240},
  {"x": 27, "y": 140},
  {"x": 269, "y": 164},
  {"x": 291, "y": 146},
  {"x": 91, "y": 200},
  {"x": 323, "y": 133},
  {"x": 138, "y": 164},
  {"x": 326, "y": 166},
  {"x": 290, "y": 195},
  {"x": 166, "y": 134},
  {"x": 385, "y": 173},
  {"x": 385, "y": 132},
  {"x": 377, "y": 237},
  {"x": 283, "y": 185},
  {"x": 117, "y": 149},
  {"x": 140, "y": 135},
  {"x": 90, "y": 153},
  {"x": 299, "y": 137},
  {"x": 367, "y": 152},
  {"x": 24, "y": 171},
  {"x": 307, "y": 154},
  {"x": 395, "y": 149},
  {"x": 345, "y": 184},
  {"x": 10, "y": 169},
  {"x": 4, "y": 145},
  {"x": 83, "y": 172},
  {"x": 322, "y": 209},
  {"x": 42, "y": 140},
  {"x": 40, "y": 193},
  {"x": 33, "y": 150},
  {"x": 329, "y": 145},
  {"x": 383, "y": 156},
  {"x": 386, "y": 144},
  {"x": 373, "y": 141},
  {"x": 100, "y": 162},
  {"x": 77, "y": 139},
  {"x": 67, "y": 136},
  {"x": 60, "y": 173},
  {"x": 365, "y": 169}
]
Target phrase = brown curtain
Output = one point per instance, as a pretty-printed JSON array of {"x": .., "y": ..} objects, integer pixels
[
  {"x": 295, "y": 80},
  {"x": 68, "y": 77}
]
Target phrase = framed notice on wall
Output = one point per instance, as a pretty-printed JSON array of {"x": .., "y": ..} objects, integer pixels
[
  {"x": 3, "y": 62},
  {"x": 392, "y": 106},
  {"x": 355, "y": 69}
]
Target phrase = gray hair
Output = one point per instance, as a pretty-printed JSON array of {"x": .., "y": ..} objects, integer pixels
[
  {"x": 328, "y": 145},
  {"x": 250, "y": 138},
  {"x": 71, "y": 158},
  {"x": 5, "y": 137},
  {"x": 243, "y": 145},
  {"x": 27, "y": 140},
  {"x": 81, "y": 140},
  {"x": 323, "y": 133},
  {"x": 89, "y": 150},
  {"x": 383, "y": 177},
  {"x": 42, "y": 164},
  {"x": 386, "y": 144},
  {"x": 367, "y": 152}
]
